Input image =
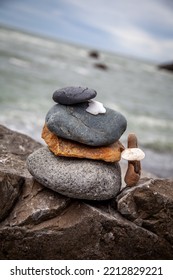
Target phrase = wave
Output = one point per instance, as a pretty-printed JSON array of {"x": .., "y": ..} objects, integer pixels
[
  {"x": 19, "y": 62},
  {"x": 149, "y": 121},
  {"x": 159, "y": 146}
]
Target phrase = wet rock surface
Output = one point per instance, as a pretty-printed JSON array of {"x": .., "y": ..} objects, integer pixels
[{"x": 42, "y": 224}]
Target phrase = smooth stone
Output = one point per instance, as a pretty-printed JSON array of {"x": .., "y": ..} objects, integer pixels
[
  {"x": 73, "y": 95},
  {"x": 132, "y": 154},
  {"x": 95, "y": 107},
  {"x": 74, "y": 123},
  {"x": 63, "y": 147},
  {"x": 75, "y": 178}
]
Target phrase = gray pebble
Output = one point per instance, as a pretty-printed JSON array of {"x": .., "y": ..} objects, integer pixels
[{"x": 75, "y": 178}]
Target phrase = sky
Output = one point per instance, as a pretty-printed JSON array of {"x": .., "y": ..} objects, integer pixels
[{"x": 137, "y": 28}]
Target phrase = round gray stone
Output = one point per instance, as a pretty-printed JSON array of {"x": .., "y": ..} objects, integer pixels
[
  {"x": 74, "y": 123},
  {"x": 73, "y": 95},
  {"x": 75, "y": 178}
]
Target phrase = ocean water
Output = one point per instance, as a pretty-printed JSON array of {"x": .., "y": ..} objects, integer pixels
[{"x": 32, "y": 68}]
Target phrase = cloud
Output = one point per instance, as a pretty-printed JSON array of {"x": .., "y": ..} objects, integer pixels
[
  {"x": 145, "y": 30},
  {"x": 140, "y": 28}
]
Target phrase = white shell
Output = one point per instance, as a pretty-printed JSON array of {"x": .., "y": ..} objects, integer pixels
[
  {"x": 133, "y": 154},
  {"x": 95, "y": 107}
]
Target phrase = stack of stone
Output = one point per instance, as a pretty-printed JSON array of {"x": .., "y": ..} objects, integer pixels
[{"x": 81, "y": 160}]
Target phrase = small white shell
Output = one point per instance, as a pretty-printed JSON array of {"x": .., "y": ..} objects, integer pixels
[
  {"x": 95, "y": 107},
  {"x": 132, "y": 154}
]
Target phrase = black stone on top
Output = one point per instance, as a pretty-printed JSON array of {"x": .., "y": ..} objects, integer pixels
[{"x": 73, "y": 95}]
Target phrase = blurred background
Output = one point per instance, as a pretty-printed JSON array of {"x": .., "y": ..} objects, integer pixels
[{"x": 114, "y": 47}]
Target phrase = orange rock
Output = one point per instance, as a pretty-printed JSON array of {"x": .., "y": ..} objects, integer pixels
[{"x": 67, "y": 148}]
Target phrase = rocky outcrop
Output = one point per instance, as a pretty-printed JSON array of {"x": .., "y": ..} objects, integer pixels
[
  {"x": 166, "y": 66},
  {"x": 10, "y": 187},
  {"x": 94, "y": 54},
  {"x": 150, "y": 205},
  {"x": 14, "y": 150},
  {"x": 41, "y": 224},
  {"x": 101, "y": 66}
]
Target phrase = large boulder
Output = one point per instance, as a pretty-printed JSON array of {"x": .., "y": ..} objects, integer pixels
[
  {"x": 150, "y": 205},
  {"x": 81, "y": 231},
  {"x": 14, "y": 150},
  {"x": 41, "y": 224},
  {"x": 10, "y": 187}
]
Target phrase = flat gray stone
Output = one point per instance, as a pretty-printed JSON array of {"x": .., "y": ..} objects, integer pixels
[
  {"x": 73, "y": 95},
  {"x": 74, "y": 123},
  {"x": 75, "y": 178}
]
